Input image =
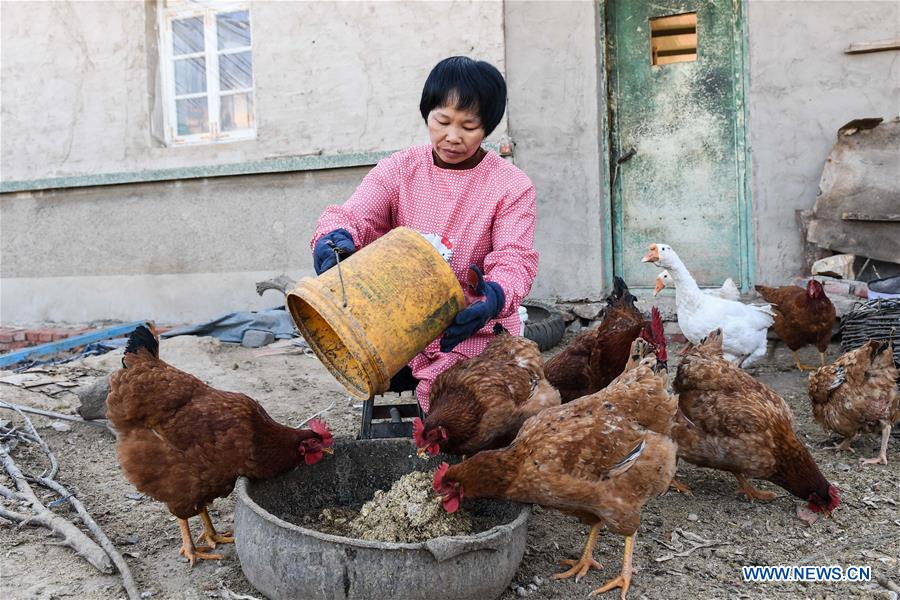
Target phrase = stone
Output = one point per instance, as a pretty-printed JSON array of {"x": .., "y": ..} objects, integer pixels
[
  {"x": 257, "y": 338},
  {"x": 693, "y": 517},
  {"x": 839, "y": 265},
  {"x": 520, "y": 592},
  {"x": 574, "y": 327},
  {"x": 589, "y": 310},
  {"x": 93, "y": 399}
]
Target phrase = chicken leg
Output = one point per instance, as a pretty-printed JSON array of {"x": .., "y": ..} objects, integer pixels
[
  {"x": 751, "y": 492},
  {"x": 209, "y": 536},
  {"x": 881, "y": 459},
  {"x": 821, "y": 358},
  {"x": 581, "y": 566},
  {"x": 188, "y": 550},
  {"x": 623, "y": 581},
  {"x": 803, "y": 367}
]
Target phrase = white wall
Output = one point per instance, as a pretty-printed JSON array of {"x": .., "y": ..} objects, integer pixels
[
  {"x": 331, "y": 77},
  {"x": 555, "y": 103},
  {"x": 802, "y": 89}
]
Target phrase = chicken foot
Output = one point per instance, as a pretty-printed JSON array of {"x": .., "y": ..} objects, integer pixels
[
  {"x": 881, "y": 459},
  {"x": 209, "y": 537},
  {"x": 581, "y": 566},
  {"x": 844, "y": 445},
  {"x": 801, "y": 366},
  {"x": 751, "y": 492},
  {"x": 680, "y": 487},
  {"x": 189, "y": 550},
  {"x": 623, "y": 581}
]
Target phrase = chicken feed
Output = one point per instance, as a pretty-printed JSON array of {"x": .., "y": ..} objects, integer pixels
[{"x": 409, "y": 512}]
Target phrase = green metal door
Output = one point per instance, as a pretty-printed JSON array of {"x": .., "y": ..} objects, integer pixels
[{"x": 677, "y": 141}]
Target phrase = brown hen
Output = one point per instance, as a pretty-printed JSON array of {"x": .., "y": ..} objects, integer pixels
[
  {"x": 480, "y": 403},
  {"x": 858, "y": 394},
  {"x": 802, "y": 317},
  {"x": 594, "y": 358},
  {"x": 599, "y": 458},
  {"x": 730, "y": 421},
  {"x": 185, "y": 443}
]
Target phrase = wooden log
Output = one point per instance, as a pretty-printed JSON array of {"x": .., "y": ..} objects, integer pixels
[
  {"x": 878, "y": 46},
  {"x": 862, "y": 238},
  {"x": 855, "y": 216}
]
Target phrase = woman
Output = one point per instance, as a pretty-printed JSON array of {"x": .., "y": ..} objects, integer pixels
[{"x": 472, "y": 204}]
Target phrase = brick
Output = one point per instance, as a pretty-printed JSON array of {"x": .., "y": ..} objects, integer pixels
[
  {"x": 7, "y": 337},
  {"x": 33, "y": 336},
  {"x": 45, "y": 336},
  {"x": 19, "y": 336}
]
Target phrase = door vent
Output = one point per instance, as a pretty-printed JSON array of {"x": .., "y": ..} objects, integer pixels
[{"x": 673, "y": 39}]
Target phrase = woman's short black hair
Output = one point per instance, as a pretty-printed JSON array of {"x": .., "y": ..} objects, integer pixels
[{"x": 469, "y": 85}]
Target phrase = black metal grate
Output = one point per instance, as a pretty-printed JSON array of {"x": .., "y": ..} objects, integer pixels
[{"x": 872, "y": 320}]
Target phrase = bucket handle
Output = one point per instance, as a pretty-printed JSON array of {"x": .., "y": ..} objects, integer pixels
[
  {"x": 337, "y": 257},
  {"x": 445, "y": 547}
]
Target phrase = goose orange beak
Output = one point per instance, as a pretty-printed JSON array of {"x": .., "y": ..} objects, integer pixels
[
  {"x": 653, "y": 255},
  {"x": 660, "y": 284}
]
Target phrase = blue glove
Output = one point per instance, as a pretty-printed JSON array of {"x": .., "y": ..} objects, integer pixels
[
  {"x": 323, "y": 253},
  {"x": 476, "y": 315}
]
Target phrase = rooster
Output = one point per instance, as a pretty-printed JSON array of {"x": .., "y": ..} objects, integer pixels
[
  {"x": 596, "y": 357},
  {"x": 185, "y": 443},
  {"x": 599, "y": 458},
  {"x": 480, "y": 403},
  {"x": 858, "y": 393},
  {"x": 730, "y": 421},
  {"x": 801, "y": 317}
]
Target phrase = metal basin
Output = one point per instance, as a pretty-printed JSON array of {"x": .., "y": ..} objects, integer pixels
[{"x": 283, "y": 560}]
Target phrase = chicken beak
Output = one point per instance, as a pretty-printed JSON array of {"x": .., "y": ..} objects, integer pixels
[
  {"x": 328, "y": 450},
  {"x": 660, "y": 284},
  {"x": 422, "y": 453},
  {"x": 653, "y": 255}
]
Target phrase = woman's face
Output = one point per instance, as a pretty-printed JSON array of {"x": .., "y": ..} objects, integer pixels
[{"x": 455, "y": 134}]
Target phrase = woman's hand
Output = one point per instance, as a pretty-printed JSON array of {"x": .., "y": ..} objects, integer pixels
[
  {"x": 323, "y": 253},
  {"x": 476, "y": 315}
]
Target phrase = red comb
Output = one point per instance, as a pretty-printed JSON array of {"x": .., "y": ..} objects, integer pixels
[
  {"x": 319, "y": 427},
  {"x": 419, "y": 432},
  {"x": 438, "y": 483},
  {"x": 659, "y": 334}
]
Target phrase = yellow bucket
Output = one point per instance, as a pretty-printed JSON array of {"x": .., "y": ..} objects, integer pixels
[{"x": 400, "y": 295}]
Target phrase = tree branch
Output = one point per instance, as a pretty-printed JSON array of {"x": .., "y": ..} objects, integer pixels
[
  {"x": 71, "y": 536},
  {"x": 108, "y": 547},
  {"x": 54, "y": 466}
]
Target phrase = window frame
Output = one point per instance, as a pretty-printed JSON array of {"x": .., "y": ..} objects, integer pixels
[{"x": 172, "y": 10}]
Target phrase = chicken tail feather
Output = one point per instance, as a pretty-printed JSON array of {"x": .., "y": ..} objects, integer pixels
[{"x": 142, "y": 337}]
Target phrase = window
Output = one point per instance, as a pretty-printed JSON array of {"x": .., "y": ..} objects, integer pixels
[
  {"x": 673, "y": 39},
  {"x": 206, "y": 51}
]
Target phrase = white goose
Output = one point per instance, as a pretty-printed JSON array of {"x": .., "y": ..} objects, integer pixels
[
  {"x": 729, "y": 289},
  {"x": 744, "y": 326}
]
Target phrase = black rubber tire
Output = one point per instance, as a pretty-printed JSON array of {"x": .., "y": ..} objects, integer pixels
[{"x": 545, "y": 324}]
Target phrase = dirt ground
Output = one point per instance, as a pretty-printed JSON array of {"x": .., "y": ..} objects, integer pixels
[{"x": 865, "y": 530}]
